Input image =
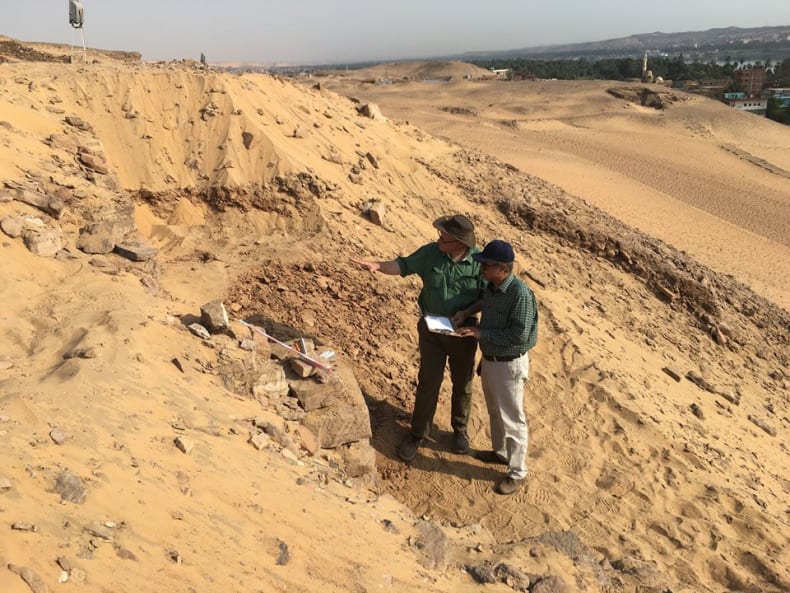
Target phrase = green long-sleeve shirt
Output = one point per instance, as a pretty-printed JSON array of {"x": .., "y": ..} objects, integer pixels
[{"x": 447, "y": 286}]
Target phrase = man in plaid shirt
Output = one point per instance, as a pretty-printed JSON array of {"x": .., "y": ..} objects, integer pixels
[{"x": 508, "y": 329}]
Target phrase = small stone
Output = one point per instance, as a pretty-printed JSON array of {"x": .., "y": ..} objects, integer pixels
[
  {"x": 672, "y": 373},
  {"x": 284, "y": 556},
  {"x": 483, "y": 574},
  {"x": 31, "y": 578},
  {"x": 12, "y": 226},
  {"x": 762, "y": 424},
  {"x": 57, "y": 436},
  {"x": 5, "y": 484},
  {"x": 135, "y": 251},
  {"x": 125, "y": 554},
  {"x": 99, "y": 531},
  {"x": 77, "y": 575},
  {"x": 199, "y": 331},
  {"x": 291, "y": 456},
  {"x": 214, "y": 317},
  {"x": 376, "y": 212},
  {"x": 550, "y": 584},
  {"x": 89, "y": 352},
  {"x": 184, "y": 444},
  {"x": 301, "y": 368},
  {"x": 260, "y": 440},
  {"x": 389, "y": 526},
  {"x": 44, "y": 243},
  {"x": 64, "y": 563}
]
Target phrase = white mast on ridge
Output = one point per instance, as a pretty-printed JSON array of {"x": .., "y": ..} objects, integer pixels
[{"x": 77, "y": 21}]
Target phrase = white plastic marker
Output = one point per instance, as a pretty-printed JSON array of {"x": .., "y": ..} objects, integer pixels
[{"x": 302, "y": 355}]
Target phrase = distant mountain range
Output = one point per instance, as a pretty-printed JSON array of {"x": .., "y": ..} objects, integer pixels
[{"x": 756, "y": 43}]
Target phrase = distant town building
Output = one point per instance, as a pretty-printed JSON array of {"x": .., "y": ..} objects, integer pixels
[
  {"x": 753, "y": 105},
  {"x": 751, "y": 80},
  {"x": 501, "y": 73},
  {"x": 781, "y": 95}
]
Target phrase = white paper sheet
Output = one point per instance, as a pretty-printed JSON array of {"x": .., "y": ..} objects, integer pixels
[{"x": 440, "y": 325}]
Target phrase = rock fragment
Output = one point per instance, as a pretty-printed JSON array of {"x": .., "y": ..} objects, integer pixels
[
  {"x": 31, "y": 578},
  {"x": 44, "y": 243},
  {"x": 12, "y": 226},
  {"x": 50, "y": 204},
  {"x": 135, "y": 251},
  {"x": 184, "y": 444},
  {"x": 672, "y": 373},
  {"x": 97, "y": 238},
  {"x": 58, "y": 436},
  {"x": 759, "y": 422},
  {"x": 374, "y": 211},
  {"x": 550, "y": 584},
  {"x": 214, "y": 317},
  {"x": 372, "y": 111},
  {"x": 199, "y": 331},
  {"x": 70, "y": 487}
]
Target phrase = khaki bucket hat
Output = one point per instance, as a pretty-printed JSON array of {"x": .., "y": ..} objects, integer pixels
[{"x": 459, "y": 227}]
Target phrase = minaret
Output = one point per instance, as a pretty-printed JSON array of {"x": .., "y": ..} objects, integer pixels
[{"x": 647, "y": 75}]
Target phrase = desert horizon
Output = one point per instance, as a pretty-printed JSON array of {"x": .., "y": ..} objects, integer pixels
[{"x": 140, "y": 452}]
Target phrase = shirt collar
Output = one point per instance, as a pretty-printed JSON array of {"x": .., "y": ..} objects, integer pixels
[
  {"x": 504, "y": 286},
  {"x": 466, "y": 258}
]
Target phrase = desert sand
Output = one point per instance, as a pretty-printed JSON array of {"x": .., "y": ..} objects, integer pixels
[{"x": 654, "y": 242}]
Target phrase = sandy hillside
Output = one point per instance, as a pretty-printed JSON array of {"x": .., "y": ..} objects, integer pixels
[
  {"x": 253, "y": 191},
  {"x": 416, "y": 71},
  {"x": 706, "y": 178}
]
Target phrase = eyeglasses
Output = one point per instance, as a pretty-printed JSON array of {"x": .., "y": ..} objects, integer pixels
[{"x": 485, "y": 265}]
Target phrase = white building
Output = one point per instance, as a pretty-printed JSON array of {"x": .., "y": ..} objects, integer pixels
[{"x": 757, "y": 106}]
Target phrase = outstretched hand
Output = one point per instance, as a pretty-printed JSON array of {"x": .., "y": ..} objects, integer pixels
[{"x": 370, "y": 266}]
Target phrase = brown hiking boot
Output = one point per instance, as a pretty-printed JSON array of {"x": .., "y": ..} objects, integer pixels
[
  {"x": 407, "y": 450},
  {"x": 508, "y": 486},
  {"x": 461, "y": 442}
]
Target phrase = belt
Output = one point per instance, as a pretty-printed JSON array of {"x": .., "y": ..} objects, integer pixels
[{"x": 502, "y": 358}]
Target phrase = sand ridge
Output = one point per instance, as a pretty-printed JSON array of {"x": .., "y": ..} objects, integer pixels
[{"x": 693, "y": 174}]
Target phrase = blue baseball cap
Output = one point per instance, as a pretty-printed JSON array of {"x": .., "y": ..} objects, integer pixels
[{"x": 496, "y": 251}]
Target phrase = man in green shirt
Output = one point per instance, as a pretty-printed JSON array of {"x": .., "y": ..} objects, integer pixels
[
  {"x": 508, "y": 329},
  {"x": 451, "y": 282}
]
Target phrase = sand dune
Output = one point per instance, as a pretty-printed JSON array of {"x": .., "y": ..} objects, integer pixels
[
  {"x": 707, "y": 179},
  {"x": 253, "y": 190}
]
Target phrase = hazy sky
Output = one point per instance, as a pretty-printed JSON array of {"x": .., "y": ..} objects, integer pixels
[{"x": 321, "y": 31}]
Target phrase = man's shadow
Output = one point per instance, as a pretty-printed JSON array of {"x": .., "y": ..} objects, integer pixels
[{"x": 390, "y": 425}]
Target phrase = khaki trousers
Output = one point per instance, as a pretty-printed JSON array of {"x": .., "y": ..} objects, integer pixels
[{"x": 503, "y": 387}]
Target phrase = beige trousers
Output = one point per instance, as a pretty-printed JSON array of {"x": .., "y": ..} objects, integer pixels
[{"x": 503, "y": 387}]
